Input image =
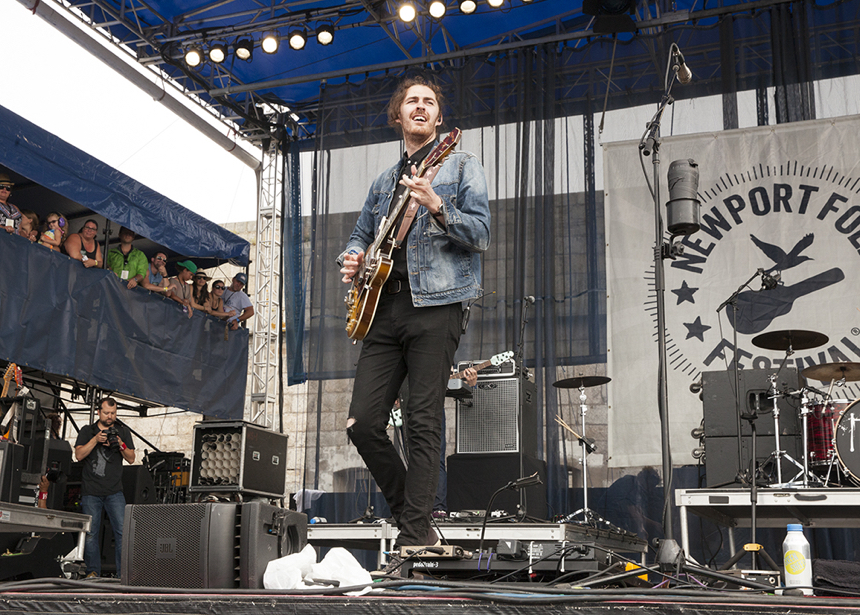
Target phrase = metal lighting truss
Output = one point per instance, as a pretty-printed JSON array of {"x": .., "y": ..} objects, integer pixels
[{"x": 267, "y": 299}]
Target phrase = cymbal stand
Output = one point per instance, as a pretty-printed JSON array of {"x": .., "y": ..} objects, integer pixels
[
  {"x": 779, "y": 454},
  {"x": 586, "y": 448}
]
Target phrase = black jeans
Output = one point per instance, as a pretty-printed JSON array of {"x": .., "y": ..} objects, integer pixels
[{"x": 418, "y": 343}]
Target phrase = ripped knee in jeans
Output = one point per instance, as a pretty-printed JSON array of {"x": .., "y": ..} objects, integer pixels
[{"x": 349, "y": 423}]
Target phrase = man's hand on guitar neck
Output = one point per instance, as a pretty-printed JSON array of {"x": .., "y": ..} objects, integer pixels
[
  {"x": 423, "y": 194},
  {"x": 351, "y": 263}
]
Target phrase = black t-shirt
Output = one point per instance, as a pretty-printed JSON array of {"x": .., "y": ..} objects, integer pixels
[
  {"x": 102, "y": 472},
  {"x": 399, "y": 269}
]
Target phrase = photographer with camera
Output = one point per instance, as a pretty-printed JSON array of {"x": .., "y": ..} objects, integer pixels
[{"x": 102, "y": 447}]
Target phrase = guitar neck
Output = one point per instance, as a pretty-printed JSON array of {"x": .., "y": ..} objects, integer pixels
[{"x": 477, "y": 368}]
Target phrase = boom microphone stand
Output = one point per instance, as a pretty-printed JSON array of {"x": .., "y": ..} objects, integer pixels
[{"x": 669, "y": 554}]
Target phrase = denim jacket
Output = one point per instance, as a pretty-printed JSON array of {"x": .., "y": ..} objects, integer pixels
[{"x": 444, "y": 262}]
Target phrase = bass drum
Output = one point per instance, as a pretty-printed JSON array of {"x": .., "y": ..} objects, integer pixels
[{"x": 847, "y": 440}]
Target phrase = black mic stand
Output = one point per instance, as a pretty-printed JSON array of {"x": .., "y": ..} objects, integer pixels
[
  {"x": 669, "y": 555},
  {"x": 742, "y": 477},
  {"x": 522, "y": 374}
]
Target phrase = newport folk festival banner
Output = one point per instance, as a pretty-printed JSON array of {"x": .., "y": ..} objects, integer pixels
[{"x": 783, "y": 198}]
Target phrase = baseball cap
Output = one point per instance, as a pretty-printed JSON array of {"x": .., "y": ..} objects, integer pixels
[
  {"x": 241, "y": 277},
  {"x": 187, "y": 265}
]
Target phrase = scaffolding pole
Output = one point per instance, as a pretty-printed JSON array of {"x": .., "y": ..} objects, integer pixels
[{"x": 267, "y": 301}]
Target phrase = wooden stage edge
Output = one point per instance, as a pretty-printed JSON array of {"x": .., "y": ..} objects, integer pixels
[{"x": 407, "y": 597}]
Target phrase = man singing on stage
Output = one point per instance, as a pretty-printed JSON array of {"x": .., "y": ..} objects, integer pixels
[{"x": 418, "y": 321}]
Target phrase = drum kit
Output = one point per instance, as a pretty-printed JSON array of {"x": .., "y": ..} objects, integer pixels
[{"x": 831, "y": 454}]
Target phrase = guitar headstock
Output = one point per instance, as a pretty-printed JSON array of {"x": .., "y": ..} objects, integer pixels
[
  {"x": 502, "y": 357},
  {"x": 445, "y": 147}
]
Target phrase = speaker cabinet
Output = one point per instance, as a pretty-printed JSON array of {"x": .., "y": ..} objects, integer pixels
[
  {"x": 721, "y": 423},
  {"x": 208, "y": 545},
  {"x": 236, "y": 456},
  {"x": 488, "y": 423},
  {"x": 472, "y": 480}
]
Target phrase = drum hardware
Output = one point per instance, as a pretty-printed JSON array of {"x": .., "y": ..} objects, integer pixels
[
  {"x": 845, "y": 432},
  {"x": 586, "y": 444}
]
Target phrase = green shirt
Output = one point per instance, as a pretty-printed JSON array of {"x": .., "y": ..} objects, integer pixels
[{"x": 135, "y": 263}]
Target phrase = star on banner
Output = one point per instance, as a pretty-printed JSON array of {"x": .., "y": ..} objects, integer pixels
[
  {"x": 696, "y": 329},
  {"x": 685, "y": 293}
]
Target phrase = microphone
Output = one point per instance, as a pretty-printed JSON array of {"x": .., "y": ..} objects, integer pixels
[
  {"x": 685, "y": 75},
  {"x": 530, "y": 300},
  {"x": 769, "y": 282}
]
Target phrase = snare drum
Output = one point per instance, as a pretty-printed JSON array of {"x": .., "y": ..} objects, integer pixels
[
  {"x": 847, "y": 438},
  {"x": 819, "y": 424}
]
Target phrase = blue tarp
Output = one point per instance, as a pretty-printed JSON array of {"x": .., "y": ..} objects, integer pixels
[
  {"x": 61, "y": 318},
  {"x": 51, "y": 162}
]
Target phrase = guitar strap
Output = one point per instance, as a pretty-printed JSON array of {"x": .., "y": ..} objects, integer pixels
[{"x": 406, "y": 223}]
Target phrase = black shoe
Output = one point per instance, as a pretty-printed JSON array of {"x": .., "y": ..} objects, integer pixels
[{"x": 392, "y": 569}]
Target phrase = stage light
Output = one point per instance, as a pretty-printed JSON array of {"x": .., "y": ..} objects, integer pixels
[
  {"x": 495, "y": 3},
  {"x": 218, "y": 53},
  {"x": 437, "y": 9},
  {"x": 193, "y": 56},
  {"x": 325, "y": 34},
  {"x": 270, "y": 42},
  {"x": 244, "y": 49},
  {"x": 406, "y": 12},
  {"x": 611, "y": 16},
  {"x": 297, "y": 39},
  {"x": 468, "y": 6}
]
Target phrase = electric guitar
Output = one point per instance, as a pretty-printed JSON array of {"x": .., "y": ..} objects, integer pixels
[
  {"x": 496, "y": 360},
  {"x": 363, "y": 296},
  {"x": 9, "y": 375}
]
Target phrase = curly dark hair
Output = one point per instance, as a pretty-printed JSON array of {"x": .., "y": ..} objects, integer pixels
[{"x": 393, "y": 108}]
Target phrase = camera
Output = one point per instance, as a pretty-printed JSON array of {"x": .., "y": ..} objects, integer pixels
[{"x": 113, "y": 438}]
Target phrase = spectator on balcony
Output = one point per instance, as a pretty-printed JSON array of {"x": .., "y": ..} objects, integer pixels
[
  {"x": 236, "y": 299},
  {"x": 200, "y": 292},
  {"x": 180, "y": 290},
  {"x": 29, "y": 228},
  {"x": 216, "y": 301},
  {"x": 156, "y": 274},
  {"x": 10, "y": 216},
  {"x": 83, "y": 246},
  {"x": 126, "y": 261},
  {"x": 55, "y": 231}
]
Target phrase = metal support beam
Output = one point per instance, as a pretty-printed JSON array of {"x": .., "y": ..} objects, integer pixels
[{"x": 265, "y": 364}]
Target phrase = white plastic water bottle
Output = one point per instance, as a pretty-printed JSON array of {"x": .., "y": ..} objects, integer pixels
[{"x": 798, "y": 564}]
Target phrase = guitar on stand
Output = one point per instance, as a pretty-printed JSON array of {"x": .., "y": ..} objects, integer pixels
[
  {"x": 9, "y": 418},
  {"x": 363, "y": 296}
]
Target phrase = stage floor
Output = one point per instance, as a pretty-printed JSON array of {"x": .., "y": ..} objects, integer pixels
[{"x": 404, "y": 597}]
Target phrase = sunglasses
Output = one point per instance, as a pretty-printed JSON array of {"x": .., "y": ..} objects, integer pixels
[
  {"x": 158, "y": 258},
  {"x": 217, "y": 288},
  {"x": 9, "y": 188},
  {"x": 91, "y": 228}
]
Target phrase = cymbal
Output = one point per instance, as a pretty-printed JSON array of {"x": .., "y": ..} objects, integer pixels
[
  {"x": 796, "y": 339},
  {"x": 833, "y": 371},
  {"x": 582, "y": 381}
]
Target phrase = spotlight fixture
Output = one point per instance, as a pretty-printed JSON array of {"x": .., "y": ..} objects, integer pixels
[
  {"x": 468, "y": 6},
  {"x": 611, "y": 16},
  {"x": 297, "y": 39},
  {"x": 495, "y": 3},
  {"x": 270, "y": 42},
  {"x": 437, "y": 9},
  {"x": 193, "y": 56},
  {"x": 406, "y": 12},
  {"x": 218, "y": 53},
  {"x": 325, "y": 34},
  {"x": 244, "y": 49}
]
